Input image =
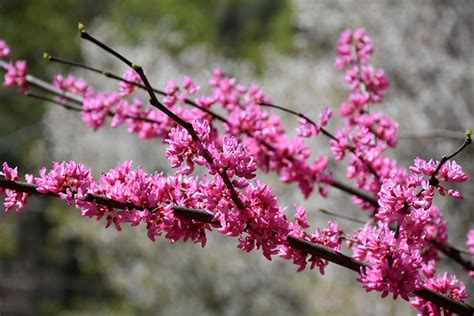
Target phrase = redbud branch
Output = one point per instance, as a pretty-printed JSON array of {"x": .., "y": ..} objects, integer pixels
[
  {"x": 63, "y": 104},
  {"x": 118, "y": 78},
  {"x": 428, "y": 133},
  {"x": 80, "y": 109},
  {"x": 467, "y": 141},
  {"x": 46, "y": 86},
  {"x": 362, "y": 195},
  {"x": 294, "y": 242},
  {"x": 325, "y": 132},
  {"x": 454, "y": 254},
  {"x": 349, "y": 218},
  {"x": 303, "y": 116},
  {"x": 156, "y": 103},
  {"x": 352, "y": 264}
]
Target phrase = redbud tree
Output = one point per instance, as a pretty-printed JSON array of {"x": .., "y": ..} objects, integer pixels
[{"x": 230, "y": 130}]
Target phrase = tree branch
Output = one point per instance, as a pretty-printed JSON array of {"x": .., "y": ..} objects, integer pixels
[{"x": 296, "y": 243}]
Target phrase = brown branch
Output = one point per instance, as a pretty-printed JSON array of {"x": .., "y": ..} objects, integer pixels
[
  {"x": 350, "y": 190},
  {"x": 349, "y": 218},
  {"x": 354, "y": 265},
  {"x": 296, "y": 243},
  {"x": 467, "y": 141},
  {"x": 455, "y": 254}
]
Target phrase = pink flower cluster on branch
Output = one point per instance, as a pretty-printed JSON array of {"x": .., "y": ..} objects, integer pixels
[{"x": 398, "y": 249}]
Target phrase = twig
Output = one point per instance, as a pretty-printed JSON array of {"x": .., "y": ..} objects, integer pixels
[
  {"x": 467, "y": 141},
  {"x": 349, "y": 218},
  {"x": 430, "y": 133}
]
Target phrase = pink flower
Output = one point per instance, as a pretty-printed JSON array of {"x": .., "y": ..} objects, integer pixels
[
  {"x": 129, "y": 83},
  {"x": 309, "y": 129},
  {"x": 339, "y": 146},
  {"x": 171, "y": 90},
  {"x": 77, "y": 86},
  {"x": 393, "y": 263},
  {"x": 445, "y": 285},
  {"x": 329, "y": 237},
  {"x": 266, "y": 226},
  {"x": 16, "y": 75},
  {"x": 353, "y": 46},
  {"x": 4, "y": 50},
  {"x": 449, "y": 172},
  {"x": 182, "y": 150},
  {"x": 189, "y": 85},
  {"x": 232, "y": 159},
  {"x": 14, "y": 198},
  {"x": 64, "y": 179},
  {"x": 97, "y": 107},
  {"x": 301, "y": 218}
]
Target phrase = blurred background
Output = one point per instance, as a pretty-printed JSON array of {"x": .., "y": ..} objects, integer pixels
[{"x": 55, "y": 262}]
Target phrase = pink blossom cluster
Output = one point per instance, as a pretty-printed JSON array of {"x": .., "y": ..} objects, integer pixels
[
  {"x": 366, "y": 134},
  {"x": 470, "y": 245},
  {"x": 329, "y": 237},
  {"x": 449, "y": 172},
  {"x": 16, "y": 75},
  {"x": 129, "y": 84},
  {"x": 174, "y": 93},
  {"x": 70, "y": 83},
  {"x": 444, "y": 284},
  {"x": 353, "y": 47},
  {"x": 263, "y": 134},
  {"x": 14, "y": 198},
  {"x": 4, "y": 50},
  {"x": 402, "y": 251},
  {"x": 310, "y": 129},
  {"x": 146, "y": 122},
  {"x": 393, "y": 263},
  {"x": 15, "y": 71}
]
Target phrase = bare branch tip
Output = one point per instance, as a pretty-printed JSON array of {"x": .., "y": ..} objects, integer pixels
[{"x": 81, "y": 27}]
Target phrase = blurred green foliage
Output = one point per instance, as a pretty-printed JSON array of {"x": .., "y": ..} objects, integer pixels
[{"x": 235, "y": 28}]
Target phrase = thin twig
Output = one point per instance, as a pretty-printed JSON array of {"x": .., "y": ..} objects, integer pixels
[
  {"x": 467, "y": 141},
  {"x": 349, "y": 218},
  {"x": 430, "y": 133}
]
